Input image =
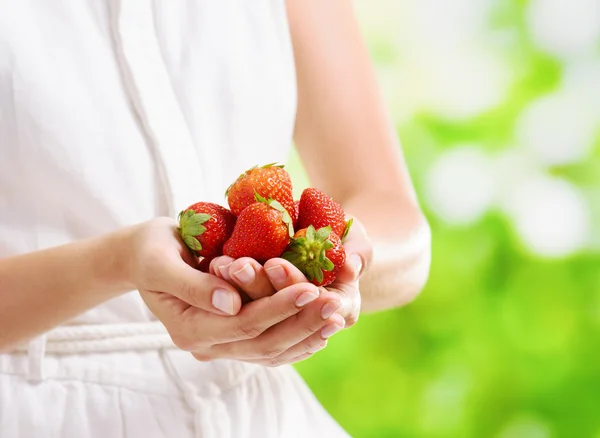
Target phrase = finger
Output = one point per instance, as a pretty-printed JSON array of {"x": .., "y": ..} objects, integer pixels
[
  {"x": 256, "y": 317},
  {"x": 359, "y": 253},
  {"x": 312, "y": 343},
  {"x": 220, "y": 267},
  {"x": 351, "y": 301},
  {"x": 251, "y": 278},
  {"x": 296, "y": 359},
  {"x": 165, "y": 307},
  {"x": 276, "y": 362},
  {"x": 352, "y": 269},
  {"x": 279, "y": 338},
  {"x": 201, "y": 290},
  {"x": 282, "y": 273}
]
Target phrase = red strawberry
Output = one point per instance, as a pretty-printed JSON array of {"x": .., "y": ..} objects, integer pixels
[
  {"x": 270, "y": 182},
  {"x": 318, "y": 254},
  {"x": 204, "y": 264},
  {"x": 204, "y": 227},
  {"x": 263, "y": 231},
  {"x": 319, "y": 210},
  {"x": 297, "y": 213}
]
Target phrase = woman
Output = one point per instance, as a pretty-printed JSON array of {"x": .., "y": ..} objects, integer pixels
[{"x": 116, "y": 115}]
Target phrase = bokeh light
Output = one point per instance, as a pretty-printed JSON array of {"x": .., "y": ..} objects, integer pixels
[
  {"x": 558, "y": 128},
  {"x": 461, "y": 185},
  {"x": 551, "y": 216},
  {"x": 565, "y": 28}
]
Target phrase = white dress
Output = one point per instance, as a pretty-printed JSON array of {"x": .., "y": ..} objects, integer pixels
[{"x": 112, "y": 113}]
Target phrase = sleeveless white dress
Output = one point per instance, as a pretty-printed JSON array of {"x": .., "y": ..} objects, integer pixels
[{"x": 112, "y": 113}]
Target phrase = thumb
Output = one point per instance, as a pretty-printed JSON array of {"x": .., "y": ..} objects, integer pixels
[
  {"x": 198, "y": 289},
  {"x": 359, "y": 253}
]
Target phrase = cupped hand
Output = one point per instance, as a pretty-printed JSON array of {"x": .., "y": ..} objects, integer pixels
[
  {"x": 257, "y": 281},
  {"x": 295, "y": 338},
  {"x": 359, "y": 254},
  {"x": 204, "y": 315},
  {"x": 160, "y": 265}
]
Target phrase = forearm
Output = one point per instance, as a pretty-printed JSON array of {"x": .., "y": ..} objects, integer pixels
[
  {"x": 349, "y": 147},
  {"x": 43, "y": 289},
  {"x": 401, "y": 241}
]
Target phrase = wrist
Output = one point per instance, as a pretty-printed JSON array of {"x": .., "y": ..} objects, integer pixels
[{"x": 112, "y": 262}]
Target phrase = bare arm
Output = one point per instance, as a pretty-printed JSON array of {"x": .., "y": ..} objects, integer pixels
[
  {"x": 350, "y": 149},
  {"x": 201, "y": 311},
  {"x": 43, "y": 289}
]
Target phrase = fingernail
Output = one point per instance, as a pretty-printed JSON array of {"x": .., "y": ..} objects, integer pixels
[
  {"x": 245, "y": 275},
  {"x": 329, "y": 309},
  {"x": 276, "y": 273},
  {"x": 224, "y": 270},
  {"x": 356, "y": 263},
  {"x": 223, "y": 300},
  {"x": 306, "y": 298},
  {"x": 317, "y": 347},
  {"x": 330, "y": 329}
]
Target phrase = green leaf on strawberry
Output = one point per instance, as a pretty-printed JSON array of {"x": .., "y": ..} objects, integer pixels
[
  {"x": 347, "y": 229},
  {"x": 308, "y": 253},
  {"x": 191, "y": 226},
  {"x": 285, "y": 216}
]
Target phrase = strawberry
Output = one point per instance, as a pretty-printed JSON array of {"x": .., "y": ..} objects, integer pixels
[
  {"x": 318, "y": 254},
  {"x": 319, "y": 210},
  {"x": 204, "y": 227},
  {"x": 297, "y": 213},
  {"x": 270, "y": 182},
  {"x": 204, "y": 264},
  {"x": 263, "y": 231}
]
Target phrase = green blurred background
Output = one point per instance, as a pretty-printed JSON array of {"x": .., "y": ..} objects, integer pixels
[{"x": 497, "y": 104}]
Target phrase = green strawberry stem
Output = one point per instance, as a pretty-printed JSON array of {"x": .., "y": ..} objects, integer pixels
[
  {"x": 190, "y": 227},
  {"x": 275, "y": 164},
  {"x": 347, "y": 229},
  {"x": 285, "y": 217},
  {"x": 308, "y": 253}
]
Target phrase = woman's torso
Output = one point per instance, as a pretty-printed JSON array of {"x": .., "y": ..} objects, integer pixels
[{"x": 112, "y": 113}]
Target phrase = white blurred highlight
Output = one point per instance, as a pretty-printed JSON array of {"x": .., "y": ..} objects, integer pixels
[
  {"x": 525, "y": 427},
  {"x": 461, "y": 84},
  {"x": 445, "y": 23},
  {"x": 559, "y": 128},
  {"x": 444, "y": 400},
  {"x": 511, "y": 167},
  {"x": 582, "y": 79},
  {"x": 550, "y": 215},
  {"x": 458, "y": 75},
  {"x": 443, "y": 63},
  {"x": 565, "y": 28},
  {"x": 460, "y": 186}
]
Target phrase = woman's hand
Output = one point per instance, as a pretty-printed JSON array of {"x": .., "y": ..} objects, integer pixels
[
  {"x": 203, "y": 313},
  {"x": 159, "y": 263},
  {"x": 296, "y": 337},
  {"x": 257, "y": 282},
  {"x": 359, "y": 254}
]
